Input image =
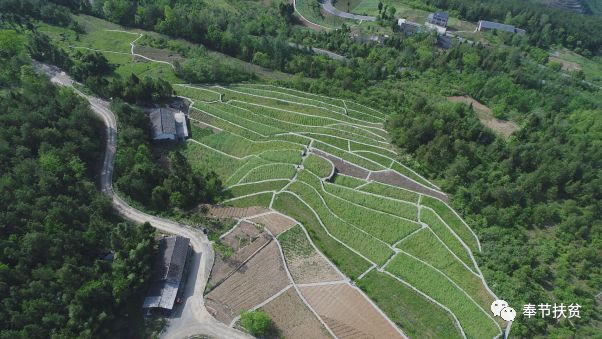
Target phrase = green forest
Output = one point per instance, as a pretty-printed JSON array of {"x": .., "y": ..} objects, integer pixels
[
  {"x": 55, "y": 227},
  {"x": 534, "y": 198}
]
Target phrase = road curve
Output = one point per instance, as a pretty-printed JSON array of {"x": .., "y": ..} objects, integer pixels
[
  {"x": 329, "y": 7},
  {"x": 191, "y": 318}
]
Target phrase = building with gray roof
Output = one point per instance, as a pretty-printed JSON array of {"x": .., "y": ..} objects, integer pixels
[
  {"x": 168, "y": 273},
  {"x": 168, "y": 124},
  {"x": 483, "y": 26},
  {"x": 438, "y": 19}
]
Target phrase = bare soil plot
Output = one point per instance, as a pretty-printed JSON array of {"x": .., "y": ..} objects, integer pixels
[
  {"x": 235, "y": 212},
  {"x": 275, "y": 222},
  {"x": 158, "y": 54},
  {"x": 347, "y": 313},
  {"x": 396, "y": 179},
  {"x": 305, "y": 264},
  {"x": 344, "y": 167},
  {"x": 256, "y": 281},
  {"x": 566, "y": 65},
  {"x": 245, "y": 240},
  {"x": 504, "y": 128},
  {"x": 293, "y": 319}
]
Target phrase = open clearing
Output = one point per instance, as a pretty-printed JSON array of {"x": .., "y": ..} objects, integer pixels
[
  {"x": 504, "y": 128},
  {"x": 274, "y": 148},
  {"x": 293, "y": 319},
  {"x": 348, "y": 313}
]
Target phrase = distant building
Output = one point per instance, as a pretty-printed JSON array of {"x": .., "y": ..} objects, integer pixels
[
  {"x": 438, "y": 19},
  {"x": 167, "y": 275},
  {"x": 408, "y": 27},
  {"x": 168, "y": 124},
  {"x": 484, "y": 26}
]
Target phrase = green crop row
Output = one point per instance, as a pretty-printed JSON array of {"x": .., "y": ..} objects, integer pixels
[
  {"x": 197, "y": 94},
  {"x": 242, "y": 170},
  {"x": 385, "y": 227},
  {"x": 347, "y": 156},
  {"x": 260, "y": 199},
  {"x": 346, "y": 260},
  {"x": 425, "y": 246},
  {"x": 365, "y": 109},
  {"x": 390, "y": 191},
  {"x": 363, "y": 147},
  {"x": 222, "y": 124},
  {"x": 283, "y": 105},
  {"x": 270, "y": 171},
  {"x": 369, "y": 246},
  {"x": 289, "y": 97},
  {"x": 290, "y": 156},
  {"x": 385, "y": 162},
  {"x": 238, "y": 117},
  {"x": 348, "y": 181},
  {"x": 474, "y": 321},
  {"x": 318, "y": 165},
  {"x": 399, "y": 208},
  {"x": 417, "y": 316},
  {"x": 205, "y": 159},
  {"x": 246, "y": 189},
  {"x": 453, "y": 220},
  {"x": 445, "y": 234},
  {"x": 290, "y": 91}
]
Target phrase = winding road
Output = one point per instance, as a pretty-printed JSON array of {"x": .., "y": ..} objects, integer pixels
[
  {"x": 329, "y": 7},
  {"x": 191, "y": 318}
]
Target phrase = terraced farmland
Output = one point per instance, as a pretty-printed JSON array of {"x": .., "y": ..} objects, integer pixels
[{"x": 327, "y": 164}]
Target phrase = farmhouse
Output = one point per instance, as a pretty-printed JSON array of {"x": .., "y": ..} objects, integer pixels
[
  {"x": 408, "y": 27},
  {"x": 167, "y": 275},
  {"x": 438, "y": 19},
  {"x": 484, "y": 26},
  {"x": 168, "y": 124}
]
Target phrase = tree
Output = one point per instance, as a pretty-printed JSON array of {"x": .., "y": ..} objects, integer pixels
[{"x": 258, "y": 323}]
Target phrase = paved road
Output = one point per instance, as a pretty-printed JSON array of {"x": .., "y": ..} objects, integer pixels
[
  {"x": 329, "y": 7},
  {"x": 191, "y": 318},
  {"x": 331, "y": 55}
]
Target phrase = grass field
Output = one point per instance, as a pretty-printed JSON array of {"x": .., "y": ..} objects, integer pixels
[{"x": 263, "y": 141}]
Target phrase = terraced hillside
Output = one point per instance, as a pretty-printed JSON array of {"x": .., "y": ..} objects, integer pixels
[{"x": 327, "y": 163}]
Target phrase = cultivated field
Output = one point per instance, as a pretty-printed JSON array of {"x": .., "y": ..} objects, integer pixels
[
  {"x": 328, "y": 164},
  {"x": 292, "y": 317},
  {"x": 259, "y": 279},
  {"x": 348, "y": 313},
  {"x": 305, "y": 264}
]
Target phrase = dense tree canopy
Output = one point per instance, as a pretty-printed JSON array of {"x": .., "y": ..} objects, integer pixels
[{"x": 55, "y": 227}]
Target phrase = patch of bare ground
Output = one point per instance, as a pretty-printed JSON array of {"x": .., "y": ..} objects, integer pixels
[
  {"x": 395, "y": 179},
  {"x": 253, "y": 283},
  {"x": 347, "y": 312},
  {"x": 158, "y": 54},
  {"x": 305, "y": 264},
  {"x": 566, "y": 65},
  {"x": 244, "y": 240},
  {"x": 235, "y": 212},
  {"x": 293, "y": 319},
  {"x": 275, "y": 222},
  {"x": 501, "y": 127},
  {"x": 344, "y": 167}
]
